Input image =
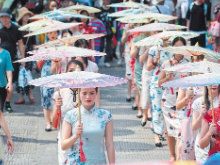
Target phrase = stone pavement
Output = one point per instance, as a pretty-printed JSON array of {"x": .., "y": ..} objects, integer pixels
[{"x": 33, "y": 146}]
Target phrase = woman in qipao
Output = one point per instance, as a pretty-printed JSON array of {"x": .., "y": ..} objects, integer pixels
[{"x": 96, "y": 127}]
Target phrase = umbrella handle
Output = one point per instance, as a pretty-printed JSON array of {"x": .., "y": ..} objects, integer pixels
[
  {"x": 79, "y": 105},
  {"x": 204, "y": 99},
  {"x": 213, "y": 114}
]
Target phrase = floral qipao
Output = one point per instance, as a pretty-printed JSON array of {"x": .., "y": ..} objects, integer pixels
[
  {"x": 47, "y": 93},
  {"x": 173, "y": 118},
  {"x": 156, "y": 92},
  {"x": 94, "y": 123}
]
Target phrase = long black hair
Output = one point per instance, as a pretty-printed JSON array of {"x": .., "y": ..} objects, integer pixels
[
  {"x": 75, "y": 62},
  {"x": 84, "y": 11},
  {"x": 207, "y": 101},
  {"x": 179, "y": 39},
  {"x": 85, "y": 44}
]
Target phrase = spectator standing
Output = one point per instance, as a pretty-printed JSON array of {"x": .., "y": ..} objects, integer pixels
[
  {"x": 181, "y": 11},
  {"x": 198, "y": 17},
  {"x": 158, "y": 7},
  {"x": 170, "y": 5},
  {"x": 98, "y": 27},
  {"x": 107, "y": 40},
  {"x": 10, "y": 36}
]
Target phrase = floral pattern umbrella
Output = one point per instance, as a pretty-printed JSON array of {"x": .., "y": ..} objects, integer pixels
[
  {"x": 193, "y": 51},
  {"x": 195, "y": 81},
  {"x": 60, "y": 52},
  {"x": 124, "y": 13},
  {"x": 58, "y": 14},
  {"x": 53, "y": 27},
  {"x": 70, "y": 40},
  {"x": 157, "y": 27},
  {"x": 77, "y": 79},
  {"x": 145, "y": 18},
  {"x": 129, "y": 5},
  {"x": 37, "y": 25},
  {"x": 199, "y": 67},
  {"x": 81, "y": 7},
  {"x": 154, "y": 39}
]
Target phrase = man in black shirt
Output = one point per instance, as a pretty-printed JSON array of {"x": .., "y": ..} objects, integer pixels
[
  {"x": 108, "y": 21},
  {"x": 11, "y": 37},
  {"x": 198, "y": 16}
]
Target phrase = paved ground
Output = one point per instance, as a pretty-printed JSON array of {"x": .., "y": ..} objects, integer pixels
[{"x": 33, "y": 146}]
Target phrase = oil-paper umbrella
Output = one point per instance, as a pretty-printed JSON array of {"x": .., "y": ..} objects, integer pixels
[
  {"x": 53, "y": 27},
  {"x": 154, "y": 39},
  {"x": 145, "y": 18},
  {"x": 81, "y": 7},
  {"x": 37, "y": 25},
  {"x": 59, "y": 52},
  {"x": 157, "y": 27},
  {"x": 129, "y": 5},
  {"x": 78, "y": 79},
  {"x": 199, "y": 67},
  {"x": 55, "y": 14},
  {"x": 70, "y": 40},
  {"x": 193, "y": 51},
  {"x": 200, "y": 80},
  {"x": 124, "y": 13}
]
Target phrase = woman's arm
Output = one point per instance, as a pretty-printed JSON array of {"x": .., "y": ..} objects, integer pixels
[
  {"x": 54, "y": 114},
  {"x": 183, "y": 98},
  {"x": 206, "y": 133},
  {"x": 7, "y": 133},
  {"x": 134, "y": 51},
  {"x": 143, "y": 57},
  {"x": 9, "y": 86},
  {"x": 109, "y": 130},
  {"x": 54, "y": 67},
  {"x": 197, "y": 117},
  {"x": 124, "y": 37},
  {"x": 67, "y": 139},
  {"x": 163, "y": 77},
  {"x": 197, "y": 120}
]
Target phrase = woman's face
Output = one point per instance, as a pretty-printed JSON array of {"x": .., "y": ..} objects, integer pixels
[
  {"x": 71, "y": 67},
  {"x": 53, "y": 5},
  {"x": 52, "y": 35},
  {"x": 84, "y": 20},
  {"x": 74, "y": 28},
  {"x": 88, "y": 96},
  {"x": 178, "y": 43},
  {"x": 25, "y": 18},
  {"x": 66, "y": 35},
  {"x": 215, "y": 90}
]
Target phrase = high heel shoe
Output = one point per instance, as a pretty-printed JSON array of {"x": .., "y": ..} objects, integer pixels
[
  {"x": 143, "y": 123},
  {"x": 139, "y": 116},
  {"x": 134, "y": 107},
  {"x": 158, "y": 144}
]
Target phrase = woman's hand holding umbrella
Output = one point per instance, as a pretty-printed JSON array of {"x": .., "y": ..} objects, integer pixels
[
  {"x": 203, "y": 109},
  {"x": 212, "y": 130},
  {"x": 79, "y": 130},
  {"x": 189, "y": 93},
  {"x": 169, "y": 76}
]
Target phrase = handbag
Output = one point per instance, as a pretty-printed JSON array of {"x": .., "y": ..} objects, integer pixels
[
  {"x": 24, "y": 76},
  {"x": 214, "y": 29}
]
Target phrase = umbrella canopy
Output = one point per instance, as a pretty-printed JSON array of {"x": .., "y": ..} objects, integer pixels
[
  {"x": 154, "y": 39},
  {"x": 78, "y": 79},
  {"x": 195, "y": 81},
  {"x": 58, "y": 14},
  {"x": 60, "y": 52},
  {"x": 200, "y": 67},
  {"x": 81, "y": 7},
  {"x": 53, "y": 27},
  {"x": 70, "y": 40},
  {"x": 145, "y": 18},
  {"x": 124, "y": 13},
  {"x": 193, "y": 51},
  {"x": 37, "y": 25},
  {"x": 128, "y": 5},
  {"x": 157, "y": 27}
]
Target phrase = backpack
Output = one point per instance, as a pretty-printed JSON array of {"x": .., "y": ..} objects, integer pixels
[{"x": 204, "y": 5}]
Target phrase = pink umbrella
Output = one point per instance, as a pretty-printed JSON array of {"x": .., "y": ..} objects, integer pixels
[
  {"x": 157, "y": 27},
  {"x": 60, "y": 52}
]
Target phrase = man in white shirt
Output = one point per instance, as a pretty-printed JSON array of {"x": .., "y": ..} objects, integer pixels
[{"x": 159, "y": 7}]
